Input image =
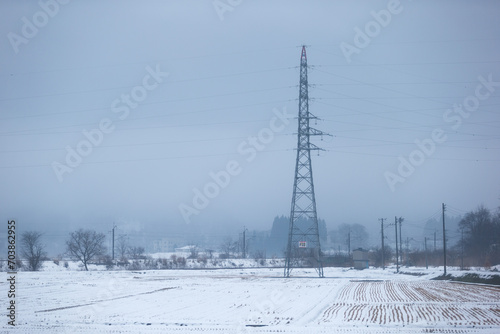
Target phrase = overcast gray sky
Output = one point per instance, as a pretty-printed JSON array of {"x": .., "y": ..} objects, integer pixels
[{"x": 383, "y": 75}]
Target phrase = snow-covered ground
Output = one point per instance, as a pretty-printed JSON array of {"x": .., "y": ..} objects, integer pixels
[{"x": 240, "y": 300}]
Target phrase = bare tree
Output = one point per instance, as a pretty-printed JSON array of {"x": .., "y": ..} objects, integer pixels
[
  {"x": 481, "y": 232},
  {"x": 228, "y": 247},
  {"x": 350, "y": 236},
  {"x": 32, "y": 249},
  {"x": 260, "y": 257},
  {"x": 193, "y": 252},
  {"x": 210, "y": 253},
  {"x": 136, "y": 253},
  {"x": 85, "y": 245},
  {"x": 122, "y": 247}
]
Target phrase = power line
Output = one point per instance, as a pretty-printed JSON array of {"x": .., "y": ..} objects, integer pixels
[
  {"x": 156, "y": 102},
  {"x": 195, "y": 156},
  {"x": 386, "y": 66},
  {"x": 142, "y": 144},
  {"x": 148, "y": 62},
  {"x": 126, "y": 129},
  {"x": 130, "y": 87}
]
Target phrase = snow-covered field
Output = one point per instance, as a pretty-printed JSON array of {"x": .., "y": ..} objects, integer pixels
[{"x": 240, "y": 300}]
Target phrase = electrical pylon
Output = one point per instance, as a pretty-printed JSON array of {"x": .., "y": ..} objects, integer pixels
[{"x": 304, "y": 247}]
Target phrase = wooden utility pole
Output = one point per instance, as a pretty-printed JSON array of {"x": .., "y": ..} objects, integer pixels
[
  {"x": 407, "y": 250},
  {"x": 244, "y": 243},
  {"x": 425, "y": 246},
  {"x": 444, "y": 241},
  {"x": 349, "y": 242},
  {"x": 383, "y": 248},
  {"x": 400, "y": 240},
  {"x": 113, "y": 243},
  {"x": 462, "y": 251},
  {"x": 397, "y": 253},
  {"x": 434, "y": 239}
]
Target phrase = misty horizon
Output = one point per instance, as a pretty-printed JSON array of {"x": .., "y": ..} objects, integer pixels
[{"x": 174, "y": 121}]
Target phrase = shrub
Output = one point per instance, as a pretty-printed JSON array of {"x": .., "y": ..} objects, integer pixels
[
  {"x": 181, "y": 261},
  {"x": 135, "y": 265},
  {"x": 19, "y": 263},
  {"x": 164, "y": 264},
  {"x": 107, "y": 261},
  {"x": 202, "y": 259}
]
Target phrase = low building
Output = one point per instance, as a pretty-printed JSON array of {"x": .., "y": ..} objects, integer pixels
[
  {"x": 360, "y": 259},
  {"x": 186, "y": 249},
  {"x": 160, "y": 246}
]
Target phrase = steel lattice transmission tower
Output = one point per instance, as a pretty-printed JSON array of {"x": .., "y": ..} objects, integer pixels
[{"x": 304, "y": 247}]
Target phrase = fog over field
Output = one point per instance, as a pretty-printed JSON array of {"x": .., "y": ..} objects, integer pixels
[
  {"x": 253, "y": 301},
  {"x": 176, "y": 121},
  {"x": 151, "y": 151}
]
